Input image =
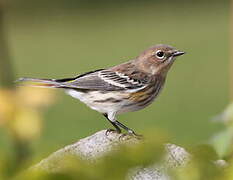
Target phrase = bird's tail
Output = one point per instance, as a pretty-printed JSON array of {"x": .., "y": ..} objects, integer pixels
[{"x": 49, "y": 83}]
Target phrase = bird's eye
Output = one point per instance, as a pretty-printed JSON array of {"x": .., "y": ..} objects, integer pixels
[{"x": 160, "y": 54}]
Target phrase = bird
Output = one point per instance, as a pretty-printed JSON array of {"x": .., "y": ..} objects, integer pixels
[{"x": 127, "y": 87}]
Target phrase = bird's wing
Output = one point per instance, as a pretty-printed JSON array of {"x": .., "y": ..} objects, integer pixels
[{"x": 103, "y": 80}]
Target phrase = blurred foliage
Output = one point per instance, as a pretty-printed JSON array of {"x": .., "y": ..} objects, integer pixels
[
  {"x": 223, "y": 140},
  {"x": 201, "y": 166},
  {"x": 20, "y": 116},
  {"x": 19, "y": 111},
  {"x": 117, "y": 164}
]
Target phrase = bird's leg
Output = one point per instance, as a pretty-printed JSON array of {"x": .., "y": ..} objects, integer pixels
[
  {"x": 117, "y": 126},
  {"x": 130, "y": 131},
  {"x": 117, "y": 129}
]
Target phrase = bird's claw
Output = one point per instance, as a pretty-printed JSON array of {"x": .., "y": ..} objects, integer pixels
[{"x": 110, "y": 131}]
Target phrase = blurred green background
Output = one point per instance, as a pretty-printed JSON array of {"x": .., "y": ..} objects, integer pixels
[{"x": 59, "y": 39}]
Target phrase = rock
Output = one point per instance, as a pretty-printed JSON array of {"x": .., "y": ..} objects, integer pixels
[{"x": 98, "y": 144}]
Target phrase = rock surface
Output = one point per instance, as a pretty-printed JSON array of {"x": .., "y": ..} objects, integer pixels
[{"x": 98, "y": 144}]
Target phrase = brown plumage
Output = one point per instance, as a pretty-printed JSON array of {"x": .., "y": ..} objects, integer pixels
[{"x": 130, "y": 86}]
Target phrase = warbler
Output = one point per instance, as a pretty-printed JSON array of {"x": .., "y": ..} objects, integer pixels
[{"x": 127, "y": 87}]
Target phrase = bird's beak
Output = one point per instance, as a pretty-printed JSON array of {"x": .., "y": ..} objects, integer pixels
[{"x": 177, "y": 53}]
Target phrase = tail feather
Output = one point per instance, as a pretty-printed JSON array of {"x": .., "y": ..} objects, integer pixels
[{"x": 39, "y": 82}]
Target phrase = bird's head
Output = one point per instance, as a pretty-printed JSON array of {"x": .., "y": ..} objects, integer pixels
[{"x": 158, "y": 59}]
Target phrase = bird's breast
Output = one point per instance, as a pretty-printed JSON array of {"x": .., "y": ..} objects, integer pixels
[{"x": 140, "y": 99}]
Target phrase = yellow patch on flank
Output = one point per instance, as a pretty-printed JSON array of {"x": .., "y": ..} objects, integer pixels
[{"x": 138, "y": 96}]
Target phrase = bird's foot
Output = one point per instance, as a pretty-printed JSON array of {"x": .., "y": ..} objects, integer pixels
[{"x": 111, "y": 131}]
